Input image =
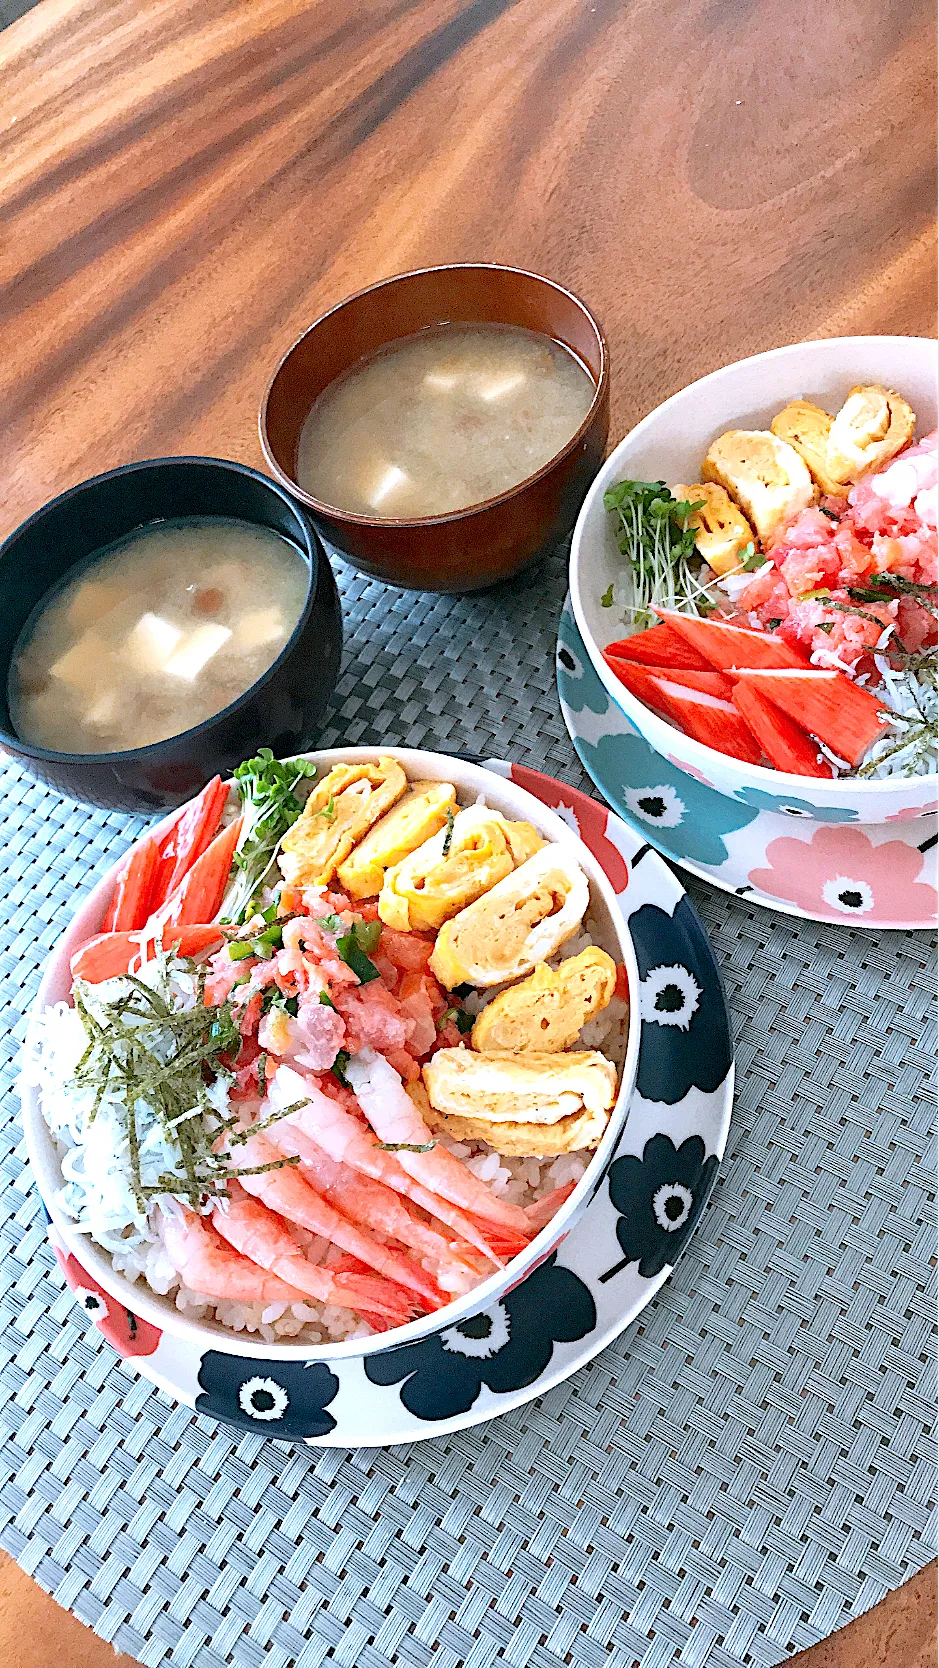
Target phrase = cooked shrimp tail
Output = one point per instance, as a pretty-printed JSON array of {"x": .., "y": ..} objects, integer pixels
[
  {"x": 206, "y": 1264},
  {"x": 343, "y": 1138},
  {"x": 292, "y": 1197},
  {"x": 258, "y": 1234}
]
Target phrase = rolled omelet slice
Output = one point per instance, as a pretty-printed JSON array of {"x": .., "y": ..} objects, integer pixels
[
  {"x": 523, "y": 920},
  {"x": 721, "y": 531},
  {"x": 536, "y": 1105},
  {"x": 764, "y": 475},
  {"x": 873, "y": 425},
  {"x": 457, "y": 865},
  {"x": 807, "y": 427},
  {"x": 414, "y": 819},
  {"x": 547, "y": 1011},
  {"x": 338, "y": 812}
]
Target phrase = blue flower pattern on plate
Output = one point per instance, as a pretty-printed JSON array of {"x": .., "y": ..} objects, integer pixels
[
  {"x": 506, "y": 1347},
  {"x": 660, "y": 1197},
  {"x": 583, "y": 689},
  {"x": 686, "y": 1040},
  {"x": 271, "y": 1398},
  {"x": 681, "y": 816},
  {"x": 789, "y": 805}
]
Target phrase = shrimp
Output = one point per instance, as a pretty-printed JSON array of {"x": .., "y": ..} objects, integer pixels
[
  {"x": 340, "y": 1135},
  {"x": 377, "y": 1207},
  {"x": 287, "y": 1193},
  {"x": 261, "y": 1237},
  {"x": 395, "y": 1118},
  {"x": 541, "y": 1211},
  {"x": 206, "y": 1264}
]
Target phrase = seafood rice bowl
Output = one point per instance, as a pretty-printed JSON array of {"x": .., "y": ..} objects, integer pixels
[
  {"x": 754, "y": 576},
  {"x": 336, "y": 1047}
]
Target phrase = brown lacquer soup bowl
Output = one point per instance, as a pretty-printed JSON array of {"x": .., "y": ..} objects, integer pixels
[{"x": 466, "y": 549}]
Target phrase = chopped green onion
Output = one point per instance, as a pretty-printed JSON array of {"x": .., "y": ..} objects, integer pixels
[
  {"x": 352, "y": 954},
  {"x": 239, "y": 948},
  {"x": 326, "y": 1001},
  {"x": 338, "y": 1068},
  {"x": 367, "y": 934}
]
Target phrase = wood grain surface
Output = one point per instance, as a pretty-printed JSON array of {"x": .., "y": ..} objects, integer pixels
[{"x": 185, "y": 185}]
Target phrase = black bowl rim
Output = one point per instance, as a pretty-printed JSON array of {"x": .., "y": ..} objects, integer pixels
[
  {"x": 18, "y": 747},
  {"x": 351, "y": 517}
]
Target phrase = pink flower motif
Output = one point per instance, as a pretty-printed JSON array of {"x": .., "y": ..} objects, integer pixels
[
  {"x": 910, "y": 811},
  {"x": 840, "y": 873},
  {"x": 689, "y": 770}
]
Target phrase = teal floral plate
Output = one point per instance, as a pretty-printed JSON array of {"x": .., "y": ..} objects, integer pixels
[
  {"x": 781, "y": 853},
  {"x": 608, "y": 1268}
]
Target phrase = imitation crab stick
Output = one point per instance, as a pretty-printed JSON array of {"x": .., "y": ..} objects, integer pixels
[
  {"x": 785, "y": 743},
  {"x": 844, "y": 716},
  {"x": 187, "y": 838},
  {"x": 658, "y": 646},
  {"x": 109, "y": 954},
  {"x": 199, "y": 894},
  {"x": 641, "y": 681},
  {"x": 727, "y": 646},
  {"x": 130, "y": 901}
]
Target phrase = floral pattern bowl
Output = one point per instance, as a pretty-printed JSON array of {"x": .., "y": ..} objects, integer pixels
[
  {"x": 637, "y": 1221},
  {"x": 668, "y": 445},
  {"x": 608, "y": 929}
]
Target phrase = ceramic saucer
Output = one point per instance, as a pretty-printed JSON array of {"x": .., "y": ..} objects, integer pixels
[{"x": 820, "y": 866}]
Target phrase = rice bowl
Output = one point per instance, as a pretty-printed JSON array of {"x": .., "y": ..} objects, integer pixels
[
  {"x": 670, "y": 443},
  {"x": 142, "y": 1277}
]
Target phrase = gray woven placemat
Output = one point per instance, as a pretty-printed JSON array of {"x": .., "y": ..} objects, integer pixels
[{"x": 747, "y": 1468}]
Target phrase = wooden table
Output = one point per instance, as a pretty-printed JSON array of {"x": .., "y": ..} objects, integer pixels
[{"x": 187, "y": 184}]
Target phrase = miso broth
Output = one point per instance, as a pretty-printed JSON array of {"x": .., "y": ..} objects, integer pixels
[
  {"x": 155, "y": 634},
  {"x": 441, "y": 420}
]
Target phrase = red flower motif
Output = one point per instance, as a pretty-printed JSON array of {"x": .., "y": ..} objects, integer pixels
[
  {"x": 591, "y": 819},
  {"x": 840, "y": 873},
  {"x": 128, "y": 1334}
]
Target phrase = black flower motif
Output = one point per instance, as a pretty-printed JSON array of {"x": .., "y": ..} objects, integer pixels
[
  {"x": 660, "y": 1197},
  {"x": 271, "y": 1398},
  {"x": 506, "y": 1347},
  {"x": 686, "y": 1037}
]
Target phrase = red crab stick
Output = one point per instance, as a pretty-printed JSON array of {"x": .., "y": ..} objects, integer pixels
[
  {"x": 784, "y": 742},
  {"x": 729, "y": 646},
  {"x": 658, "y": 646},
  {"x": 110, "y": 954},
  {"x": 186, "y": 840},
  {"x": 642, "y": 681},
  {"x": 199, "y": 895},
  {"x": 130, "y": 903},
  {"x": 846, "y": 717}
]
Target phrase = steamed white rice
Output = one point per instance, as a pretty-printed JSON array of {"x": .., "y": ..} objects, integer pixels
[{"x": 97, "y": 1197}]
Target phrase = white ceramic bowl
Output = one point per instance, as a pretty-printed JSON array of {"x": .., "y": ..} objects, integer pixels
[
  {"x": 611, "y": 933},
  {"x": 669, "y": 445}
]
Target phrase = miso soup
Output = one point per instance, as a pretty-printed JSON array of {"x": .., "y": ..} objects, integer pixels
[
  {"x": 155, "y": 634},
  {"x": 441, "y": 420}
]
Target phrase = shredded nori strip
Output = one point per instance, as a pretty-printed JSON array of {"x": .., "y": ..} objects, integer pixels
[{"x": 146, "y": 1050}]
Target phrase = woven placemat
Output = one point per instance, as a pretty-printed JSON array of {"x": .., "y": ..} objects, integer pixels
[{"x": 744, "y": 1470}]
